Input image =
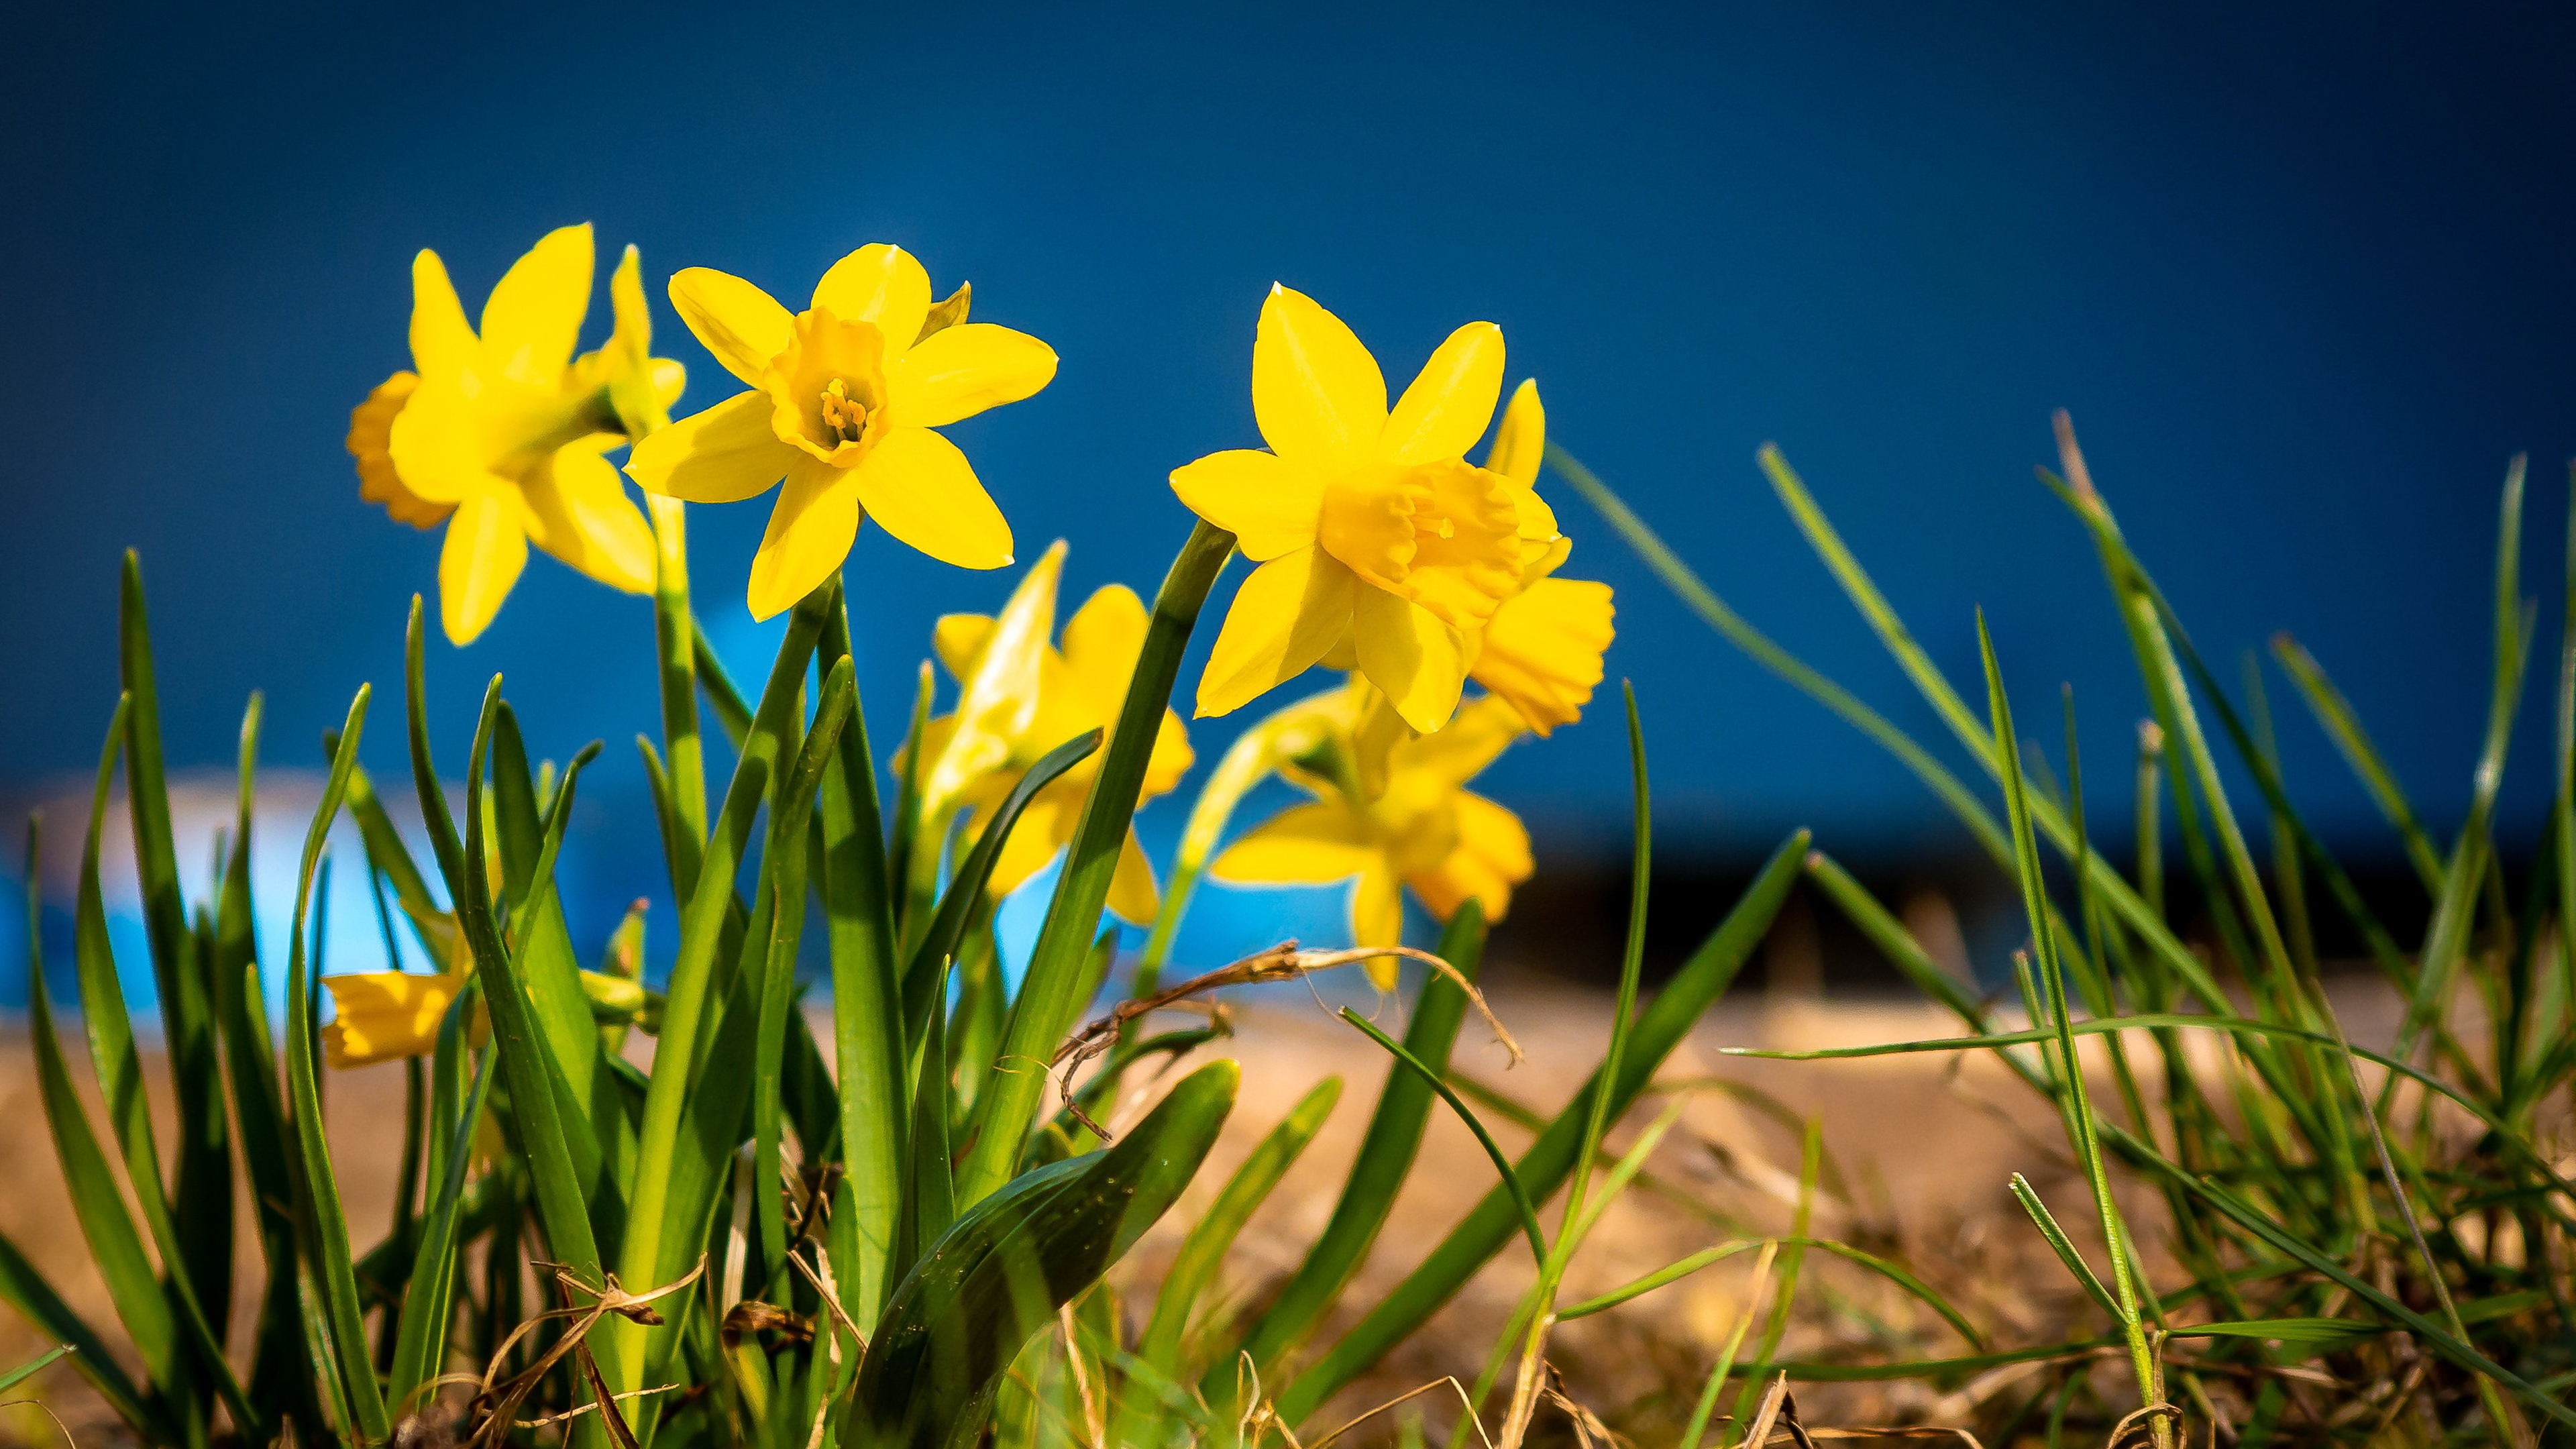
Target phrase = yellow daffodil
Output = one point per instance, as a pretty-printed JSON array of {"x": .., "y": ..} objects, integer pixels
[
  {"x": 1421, "y": 828},
  {"x": 380, "y": 1016},
  {"x": 1542, "y": 649},
  {"x": 498, "y": 433},
  {"x": 844, "y": 397},
  {"x": 1020, "y": 697},
  {"x": 1367, "y": 522}
]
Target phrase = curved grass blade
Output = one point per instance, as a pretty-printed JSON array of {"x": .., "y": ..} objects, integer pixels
[
  {"x": 420, "y": 1336},
  {"x": 685, "y": 1014},
  {"x": 1385, "y": 1159},
  {"x": 324, "y": 1227},
  {"x": 26, "y": 1291},
  {"x": 538, "y": 1093},
  {"x": 966, "y": 888},
  {"x": 202, "y": 1187},
  {"x": 1201, "y": 1253},
  {"x": 867, "y": 993},
  {"x": 1049, "y": 997},
  {"x": 1512, "y": 1184},
  {"x": 998, "y": 1277},
  {"x": 1682, "y": 1268},
  {"x": 1666, "y": 1020}
]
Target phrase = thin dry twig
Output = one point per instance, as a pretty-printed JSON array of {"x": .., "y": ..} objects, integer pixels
[
  {"x": 1283, "y": 962},
  {"x": 1451, "y": 1380},
  {"x": 499, "y": 1401}
]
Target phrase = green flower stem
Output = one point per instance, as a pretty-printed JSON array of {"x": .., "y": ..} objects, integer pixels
[{"x": 1048, "y": 1001}]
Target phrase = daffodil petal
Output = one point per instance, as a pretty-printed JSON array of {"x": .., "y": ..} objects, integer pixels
[
  {"x": 723, "y": 455},
  {"x": 533, "y": 317},
  {"x": 1044, "y": 826},
  {"x": 1271, "y": 506},
  {"x": 1542, "y": 650},
  {"x": 1133, "y": 895},
  {"x": 1440, "y": 762},
  {"x": 380, "y": 1016},
  {"x": 1377, "y": 919},
  {"x": 1406, "y": 650},
  {"x": 1451, "y": 400},
  {"x": 480, "y": 559},
  {"x": 811, "y": 528},
  {"x": 1520, "y": 441},
  {"x": 1102, "y": 641},
  {"x": 442, "y": 341},
  {"x": 583, "y": 517},
  {"x": 919, "y": 488},
  {"x": 1316, "y": 392},
  {"x": 742, "y": 325},
  {"x": 881, "y": 284},
  {"x": 958, "y": 638},
  {"x": 1288, "y": 612},
  {"x": 998, "y": 687},
  {"x": 1311, "y": 844},
  {"x": 1491, "y": 857},
  {"x": 957, "y": 372}
]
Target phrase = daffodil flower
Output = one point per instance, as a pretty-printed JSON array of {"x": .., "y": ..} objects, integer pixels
[
  {"x": 1367, "y": 522},
  {"x": 498, "y": 433},
  {"x": 382, "y": 1016},
  {"x": 1541, "y": 651},
  {"x": 1422, "y": 828},
  {"x": 1020, "y": 697},
  {"x": 844, "y": 397}
]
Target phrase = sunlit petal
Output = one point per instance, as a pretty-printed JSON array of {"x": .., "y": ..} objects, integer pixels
[
  {"x": 1133, "y": 896},
  {"x": 1311, "y": 844},
  {"x": 533, "y": 317},
  {"x": 1542, "y": 650},
  {"x": 742, "y": 325},
  {"x": 1269, "y": 504},
  {"x": 1521, "y": 440},
  {"x": 1446, "y": 409},
  {"x": 1407, "y": 651},
  {"x": 881, "y": 284},
  {"x": 1316, "y": 392},
  {"x": 442, "y": 341},
  {"x": 1377, "y": 919},
  {"x": 723, "y": 455},
  {"x": 919, "y": 488},
  {"x": 582, "y": 515},
  {"x": 1288, "y": 612},
  {"x": 380, "y": 1016},
  {"x": 960, "y": 371},
  {"x": 485, "y": 548},
  {"x": 811, "y": 528}
]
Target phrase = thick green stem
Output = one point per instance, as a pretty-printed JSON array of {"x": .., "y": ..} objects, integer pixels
[{"x": 1048, "y": 1001}]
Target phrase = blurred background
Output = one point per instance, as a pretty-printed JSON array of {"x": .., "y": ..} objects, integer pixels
[{"x": 2299, "y": 272}]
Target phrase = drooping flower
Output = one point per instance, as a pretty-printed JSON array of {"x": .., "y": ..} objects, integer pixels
[
  {"x": 1542, "y": 649},
  {"x": 843, "y": 399},
  {"x": 1367, "y": 522},
  {"x": 381, "y": 1016},
  {"x": 1392, "y": 809},
  {"x": 498, "y": 432},
  {"x": 1018, "y": 698}
]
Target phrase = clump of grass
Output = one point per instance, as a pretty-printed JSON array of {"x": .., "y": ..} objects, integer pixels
[{"x": 2366, "y": 1246}]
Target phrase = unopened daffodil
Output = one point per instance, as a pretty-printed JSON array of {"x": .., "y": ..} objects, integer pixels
[
  {"x": 843, "y": 399},
  {"x": 1020, "y": 697},
  {"x": 1368, "y": 523},
  {"x": 1392, "y": 810},
  {"x": 1541, "y": 651},
  {"x": 498, "y": 432}
]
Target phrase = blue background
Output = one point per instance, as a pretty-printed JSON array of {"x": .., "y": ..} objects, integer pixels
[{"x": 2300, "y": 272}]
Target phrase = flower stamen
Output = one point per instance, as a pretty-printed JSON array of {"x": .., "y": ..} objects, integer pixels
[{"x": 845, "y": 418}]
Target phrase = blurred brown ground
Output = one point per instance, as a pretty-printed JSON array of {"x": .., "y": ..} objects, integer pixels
[{"x": 1924, "y": 1144}]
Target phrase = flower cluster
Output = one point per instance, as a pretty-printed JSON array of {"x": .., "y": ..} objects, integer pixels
[{"x": 1378, "y": 548}]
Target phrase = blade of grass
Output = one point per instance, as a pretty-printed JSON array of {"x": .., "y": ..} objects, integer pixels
[
  {"x": 420, "y": 1339},
  {"x": 1385, "y": 1159},
  {"x": 325, "y": 1227},
  {"x": 1522, "y": 1203},
  {"x": 1666, "y": 1020}
]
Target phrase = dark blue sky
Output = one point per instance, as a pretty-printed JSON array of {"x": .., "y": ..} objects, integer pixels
[{"x": 2301, "y": 273}]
